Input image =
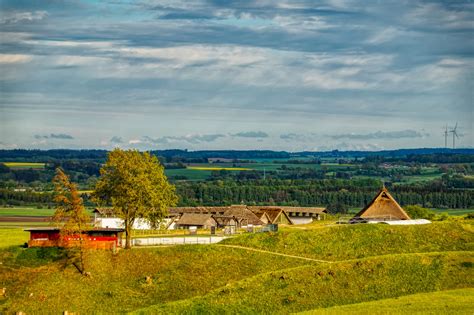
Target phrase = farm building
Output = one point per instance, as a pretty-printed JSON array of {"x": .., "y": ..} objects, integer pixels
[
  {"x": 275, "y": 215},
  {"x": 98, "y": 238},
  {"x": 304, "y": 215},
  {"x": 199, "y": 220},
  {"x": 382, "y": 208},
  {"x": 244, "y": 216},
  {"x": 225, "y": 221},
  {"x": 105, "y": 218}
]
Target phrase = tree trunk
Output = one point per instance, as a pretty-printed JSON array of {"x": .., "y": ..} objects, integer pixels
[
  {"x": 81, "y": 252},
  {"x": 128, "y": 234}
]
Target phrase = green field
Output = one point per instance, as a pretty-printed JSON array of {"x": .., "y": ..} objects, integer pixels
[
  {"x": 366, "y": 264},
  {"x": 25, "y": 211},
  {"x": 24, "y": 165},
  {"x": 193, "y": 175},
  {"x": 203, "y": 171}
]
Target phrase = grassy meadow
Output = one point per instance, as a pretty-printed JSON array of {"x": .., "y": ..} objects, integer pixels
[
  {"x": 24, "y": 165},
  {"x": 325, "y": 285},
  {"x": 366, "y": 264},
  {"x": 339, "y": 242},
  {"x": 25, "y": 212},
  {"x": 450, "y": 301}
]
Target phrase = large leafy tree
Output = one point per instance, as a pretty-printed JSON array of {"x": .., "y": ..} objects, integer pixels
[
  {"x": 72, "y": 217},
  {"x": 135, "y": 185}
]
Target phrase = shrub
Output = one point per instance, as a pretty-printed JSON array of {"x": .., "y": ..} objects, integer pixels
[{"x": 417, "y": 212}]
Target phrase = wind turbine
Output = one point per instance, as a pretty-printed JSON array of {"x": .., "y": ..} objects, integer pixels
[
  {"x": 446, "y": 137},
  {"x": 455, "y": 134}
]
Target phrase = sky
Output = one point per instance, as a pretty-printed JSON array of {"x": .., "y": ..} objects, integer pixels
[{"x": 207, "y": 75}]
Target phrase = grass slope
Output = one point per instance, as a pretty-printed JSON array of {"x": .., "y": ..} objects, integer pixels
[
  {"x": 39, "y": 281},
  {"x": 9, "y": 237},
  {"x": 325, "y": 285},
  {"x": 459, "y": 302},
  {"x": 362, "y": 240}
]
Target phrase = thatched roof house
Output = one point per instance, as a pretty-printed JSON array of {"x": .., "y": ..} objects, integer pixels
[
  {"x": 225, "y": 220},
  {"x": 243, "y": 215},
  {"x": 104, "y": 212},
  {"x": 275, "y": 215},
  {"x": 199, "y": 220},
  {"x": 382, "y": 207}
]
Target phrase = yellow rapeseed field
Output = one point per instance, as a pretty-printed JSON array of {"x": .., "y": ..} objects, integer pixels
[{"x": 24, "y": 164}]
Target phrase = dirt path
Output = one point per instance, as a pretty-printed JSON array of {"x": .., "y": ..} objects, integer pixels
[{"x": 277, "y": 254}]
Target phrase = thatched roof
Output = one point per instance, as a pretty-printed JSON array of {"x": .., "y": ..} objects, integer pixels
[
  {"x": 224, "y": 220},
  {"x": 106, "y": 212},
  {"x": 244, "y": 215},
  {"x": 197, "y": 219},
  {"x": 287, "y": 209},
  {"x": 272, "y": 213},
  {"x": 383, "y": 206},
  {"x": 182, "y": 210}
]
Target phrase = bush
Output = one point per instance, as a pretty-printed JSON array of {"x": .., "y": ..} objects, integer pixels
[
  {"x": 417, "y": 212},
  {"x": 337, "y": 208},
  {"x": 442, "y": 217},
  {"x": 469, "y": 216}
]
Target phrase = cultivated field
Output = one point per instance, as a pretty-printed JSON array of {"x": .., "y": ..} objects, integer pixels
[{"x": 24, "y": 165}]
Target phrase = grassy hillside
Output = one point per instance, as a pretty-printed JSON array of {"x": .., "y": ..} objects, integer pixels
[
  {"x": 41, "y": 281},
  {"x": 362, "y": 240},
  {"x": 9, "y": 237},
  {"x": 324, "y": 285},
  {"x": 366, "y": 263},
  {"x": 460, "y": 302}
]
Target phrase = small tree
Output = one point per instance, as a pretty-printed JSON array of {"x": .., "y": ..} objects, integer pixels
[
  {"x": 337, "y": 208},
  {"x": 417, "y": 212},
  {"x": 71, "y": 216},
  {"x": 135, "y": 185}
]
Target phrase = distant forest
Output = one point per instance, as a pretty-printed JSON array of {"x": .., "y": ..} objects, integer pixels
[
  {"x": 298, "y": 179},
  {"x": 61, "y": 154}
]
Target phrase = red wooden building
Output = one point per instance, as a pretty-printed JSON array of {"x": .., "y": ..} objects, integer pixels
[{"x": 98, "y": 238}]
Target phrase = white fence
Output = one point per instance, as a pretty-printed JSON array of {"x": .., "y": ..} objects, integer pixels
[{"x": 178, "y": 240}]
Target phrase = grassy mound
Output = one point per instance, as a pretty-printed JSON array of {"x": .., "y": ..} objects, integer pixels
[
  {"x": 362, "y": 240},
  {"x": 459, "y": 302},
  {"x": 325, "y": 285},
  {"x": 40, "y": 281}
]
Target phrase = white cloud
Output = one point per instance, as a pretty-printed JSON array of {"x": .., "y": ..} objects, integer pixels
[
  {"x": 384, "y": 35},
  {"x": 15, "y": 58},
  {"x": 16, "y": 17}
]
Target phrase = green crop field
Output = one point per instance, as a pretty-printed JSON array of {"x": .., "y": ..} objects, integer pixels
[
  {"x": 24, "y": 165},
  {"x": 289, "y": 271},
  {"x": 24, "y": 211},
  {"x": 188, "y": 173}
]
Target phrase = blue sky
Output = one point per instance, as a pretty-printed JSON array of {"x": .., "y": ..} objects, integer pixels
[{"x": 281, "y": 75}]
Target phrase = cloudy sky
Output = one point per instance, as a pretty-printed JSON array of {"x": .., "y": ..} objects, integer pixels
[{"x": 283, "y": 75}]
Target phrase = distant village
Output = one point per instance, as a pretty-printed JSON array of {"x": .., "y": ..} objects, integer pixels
[{"x": 107, "y": 227}]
